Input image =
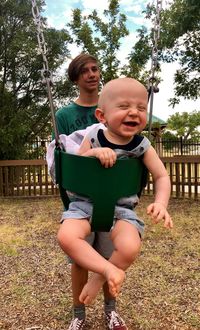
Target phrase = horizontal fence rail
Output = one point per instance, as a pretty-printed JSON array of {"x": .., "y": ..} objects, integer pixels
[{"x": 31, "y": 178}]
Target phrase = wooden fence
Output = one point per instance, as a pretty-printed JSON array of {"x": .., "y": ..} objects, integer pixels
[
  {"x": 184, "y": 172},
  {"x": 30, "y": 178},
  {"x": 25, "y": 178}
]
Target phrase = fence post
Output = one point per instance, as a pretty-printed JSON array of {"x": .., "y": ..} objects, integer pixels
[{"x": 181, "y": 145}]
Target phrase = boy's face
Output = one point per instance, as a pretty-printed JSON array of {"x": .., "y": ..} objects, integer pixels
[
  {"x": 125, "y": 110},
  {"x": 89, "y": 77}
]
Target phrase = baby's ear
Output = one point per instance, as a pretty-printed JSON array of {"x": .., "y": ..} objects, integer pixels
[{"x": 99, "y": 114}]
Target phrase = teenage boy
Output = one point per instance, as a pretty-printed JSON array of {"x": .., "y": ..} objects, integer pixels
[{"x": 84, "y": 72}]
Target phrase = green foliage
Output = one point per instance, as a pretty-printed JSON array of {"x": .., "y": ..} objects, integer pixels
[
  {"x": 23, "y": 98},
  {"x": 168, "y": 139},
  {"x": 138, "y": 57},
  {"x": 186, "y": 125},
  {"x": 179, "y": 41},
  {"x": 170, "y": 136},
  {"x": 101, "y": 39},
  {"x": 181, "y": 17},
  {"x": 180, "y": 36}
]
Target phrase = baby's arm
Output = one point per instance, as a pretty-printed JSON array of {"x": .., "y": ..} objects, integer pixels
[
  {"x": 106, "y": 156},
  {"x": 158, "y": 209}
]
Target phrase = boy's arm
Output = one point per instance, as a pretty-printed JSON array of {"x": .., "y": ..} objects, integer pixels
[
  {"x": 158, "y": 209},
  {"x": 106, "y": 156}
]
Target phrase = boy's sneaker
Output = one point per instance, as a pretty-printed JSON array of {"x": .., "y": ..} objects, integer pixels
[
  {"x": 115, "y": 322},
  {"x": 77, "y": 324}
]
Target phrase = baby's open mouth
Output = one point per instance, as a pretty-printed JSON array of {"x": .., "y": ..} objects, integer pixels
[{"x": 130, "y": 123}]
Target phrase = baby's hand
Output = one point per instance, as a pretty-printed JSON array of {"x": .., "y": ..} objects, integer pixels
[
  {"x": 158, "y": 212},
  {"x": 106, "y": 156}
]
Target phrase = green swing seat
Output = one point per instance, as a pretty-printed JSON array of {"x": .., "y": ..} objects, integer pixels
[{"x": 104, "y": 186}]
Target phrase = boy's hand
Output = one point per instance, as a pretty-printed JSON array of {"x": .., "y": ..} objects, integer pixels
[
  {"x": 106, "y": 156},
  {"x": 158, "y": 212}
]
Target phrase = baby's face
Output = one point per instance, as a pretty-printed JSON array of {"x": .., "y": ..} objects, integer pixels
[{"x": 125, "y": 109}]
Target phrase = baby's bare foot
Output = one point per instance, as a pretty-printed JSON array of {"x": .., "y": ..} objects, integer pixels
[
  {"x": 115, "y": 278},
  {"x": 91, "y": 289},
  {"x": 113, "y": 275}
]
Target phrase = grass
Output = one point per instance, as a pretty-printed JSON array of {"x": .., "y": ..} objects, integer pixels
[{"x": 161, "y": 290}]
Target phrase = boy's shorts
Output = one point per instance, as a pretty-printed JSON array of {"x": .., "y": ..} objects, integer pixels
[{"x": 101, "y": 241}]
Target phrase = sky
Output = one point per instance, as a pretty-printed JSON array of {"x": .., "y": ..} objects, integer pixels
[{"x": 58, "y": 14}]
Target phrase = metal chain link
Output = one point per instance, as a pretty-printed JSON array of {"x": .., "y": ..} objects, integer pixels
[
  {"x": 156, "y": 37},
  {"x": 153, "y": 81},
  {"x": 45, "y": 73}
]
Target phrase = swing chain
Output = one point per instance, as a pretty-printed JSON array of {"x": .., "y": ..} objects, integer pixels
[
  {"x": 153, "y": 81},
  {"x": 45, "y": 72}
]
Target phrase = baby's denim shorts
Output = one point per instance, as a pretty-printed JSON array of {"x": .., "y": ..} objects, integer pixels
[{"x": 83, "y": 210}]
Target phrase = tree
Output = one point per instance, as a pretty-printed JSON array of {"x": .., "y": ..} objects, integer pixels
[
  {"x": 101, "y": 39},
  {"x": 180, "y": 37},
  {"x": 23, "y": 98},
  {"x": 138, "y": 57},
  {"x": 179, "y": 41},
  {"x": 186, "y": 125}
]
